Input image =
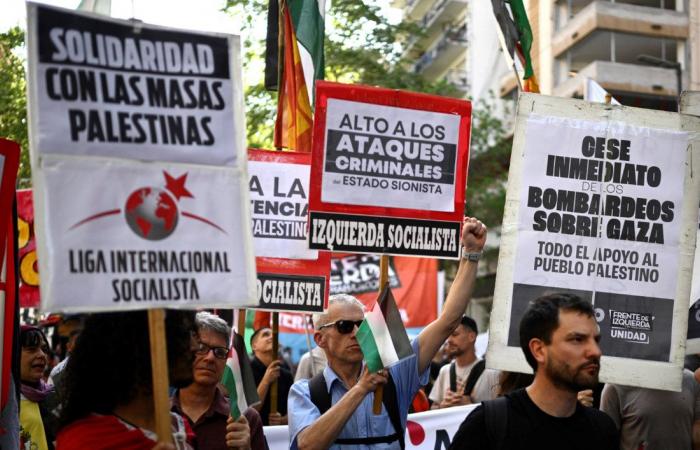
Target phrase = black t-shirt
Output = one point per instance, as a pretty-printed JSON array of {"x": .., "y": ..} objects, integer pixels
[
  {"x": 284, "y": 384},
  {"x": 528, "y": 427}
]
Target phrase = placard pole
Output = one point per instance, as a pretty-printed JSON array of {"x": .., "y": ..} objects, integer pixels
[
  {"x": 275, "y": 355},
  {"x": 383, "y": 281},
  {"x": 159, "y": 373},
  {"x": 241, "y": 323}
]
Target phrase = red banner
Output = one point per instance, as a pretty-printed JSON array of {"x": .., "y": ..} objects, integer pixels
[{"x": 28, "y": 266}]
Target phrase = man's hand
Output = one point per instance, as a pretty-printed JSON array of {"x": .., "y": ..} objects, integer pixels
[
  {"x": 238, "y": 433},
  {"x": 369, "y": 382},
  {"x": 585, "y": 397},
  {"x": 473, "y": 235},
  {"x": 272, "y": 373},
  {"x": 277, "y": 419}
]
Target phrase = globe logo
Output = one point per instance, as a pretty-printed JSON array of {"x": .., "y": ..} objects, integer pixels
[{"x": 151, "y": 213}]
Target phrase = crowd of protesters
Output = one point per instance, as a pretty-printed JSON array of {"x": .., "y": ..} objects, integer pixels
[{"x": 100, "y": 396}]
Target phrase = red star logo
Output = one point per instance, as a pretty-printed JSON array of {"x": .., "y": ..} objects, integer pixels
[{"x": 176, "y": 186}]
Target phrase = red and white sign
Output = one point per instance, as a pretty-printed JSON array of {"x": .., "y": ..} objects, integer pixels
[
  {"x": 389, "y": 171},
  {"x": 291, "y": 277}
]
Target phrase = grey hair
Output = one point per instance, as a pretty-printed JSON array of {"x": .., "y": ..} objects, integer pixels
[
  {"x": 207, "y": 321},
  {"x": 321, "y": 319}
]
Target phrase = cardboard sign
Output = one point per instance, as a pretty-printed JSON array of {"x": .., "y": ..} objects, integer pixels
[
  {"x": 107, "y": 87},
  {"x": 138, "y": 165},
  {"x": 291, "y": 277},
  {"x": 595, "y": 209},
  {"x": 389, "y": 171},
  {"x": 29, "y": 295}
]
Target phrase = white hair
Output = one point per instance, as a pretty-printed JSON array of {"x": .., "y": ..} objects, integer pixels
[
  {"x": 321, "y": 319},
  {"x": 208, "y": 321}
]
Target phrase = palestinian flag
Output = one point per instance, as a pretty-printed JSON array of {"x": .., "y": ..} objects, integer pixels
[
  {"x": 381, "y": 336},
  {"x": 238, "y": 378},
  {"x": 517, "y": 34}
]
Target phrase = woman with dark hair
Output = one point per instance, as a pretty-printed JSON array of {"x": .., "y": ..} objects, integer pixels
[
  {"x": 36, "y": 421},
  {"x": 108, "y": 387}
]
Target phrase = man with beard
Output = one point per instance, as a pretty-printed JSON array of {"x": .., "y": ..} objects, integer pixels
[
  {"x": 449, "y": 387},
  {"x": 559, "y": 337},
  {"x": 108, "y": 384}
]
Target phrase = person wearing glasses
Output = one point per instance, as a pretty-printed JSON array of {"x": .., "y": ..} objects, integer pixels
[
  {"x": 203, "y": 404},
  {"x": 334, "y": 409},
  {"x": 268, "y": 368}
]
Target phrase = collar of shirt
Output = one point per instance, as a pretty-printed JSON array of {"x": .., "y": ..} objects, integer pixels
[
  {"x": 218, "y": 406},
  {"x": 330, "y": 376}
]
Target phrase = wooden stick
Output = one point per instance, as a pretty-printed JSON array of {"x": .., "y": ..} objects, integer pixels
[
  {"x": 241, "y": 322},
  {"x": 383, "y": 281},
  {"x": 275, "y": 355},
  {"x": 159, "y": 373}
]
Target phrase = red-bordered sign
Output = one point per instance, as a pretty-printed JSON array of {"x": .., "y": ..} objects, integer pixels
[
  {"x": 389, "y": 171},
  {"x": 290, "y": 276},
  {"x": 9, "y": 164}
]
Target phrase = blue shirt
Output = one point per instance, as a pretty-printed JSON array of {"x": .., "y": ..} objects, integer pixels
[{"x": 363, "y": 423}]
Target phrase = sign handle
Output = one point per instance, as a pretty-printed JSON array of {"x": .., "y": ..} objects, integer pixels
[
  {"x": 275, "y": 355},
  {"x": 159, "y": 374},
  {"x": 383, "y": 281},
  {"x": 241, "y": 322}
]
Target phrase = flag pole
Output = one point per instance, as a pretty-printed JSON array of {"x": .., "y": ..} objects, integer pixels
[
  {"x": 383, "y": 281},
  {"x": 275, "y": 355},
  {"x": 159, "y": 374},
  {"x": 241, "y": 322}
]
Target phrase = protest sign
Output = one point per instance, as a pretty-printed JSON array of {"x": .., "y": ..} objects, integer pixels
[
  {"x": 26, "y": 243},
  {"x": 388, "y": 172},
  {"x": 429, "y": 430},
  {"x": 106, "y": 87},
  {"x": 593, "y": 208},
  {"x": 9, "y": 164},
  {"x": 291, "y": 277},
  {"x": 139, "y": 165}
]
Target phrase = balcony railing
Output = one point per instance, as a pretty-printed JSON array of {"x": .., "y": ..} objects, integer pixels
[{"x": 451, "y": 36}]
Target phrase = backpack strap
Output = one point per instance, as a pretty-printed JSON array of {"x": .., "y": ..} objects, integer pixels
[
  {"x": 453, "y": 377},
  {"x": 474, "y": 375},
  {"x": 319, "y": 393},
  {"x": 496, "y": 421},
  {"x": 322, "y": 399}
]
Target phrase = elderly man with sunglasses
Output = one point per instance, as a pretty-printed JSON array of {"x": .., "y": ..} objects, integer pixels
[
  {"x": 346, "y": 390},
  {"x": 203, "y": 404}
]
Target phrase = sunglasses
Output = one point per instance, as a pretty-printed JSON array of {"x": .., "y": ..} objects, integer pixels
[
  {"x": 343, "y": 326},
  {"x": 219, "y": 352}
]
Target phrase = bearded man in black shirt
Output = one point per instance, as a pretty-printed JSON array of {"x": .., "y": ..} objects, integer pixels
[{"x": 559, "y": 336}]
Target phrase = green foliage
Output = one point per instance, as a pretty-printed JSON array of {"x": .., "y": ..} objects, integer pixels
[
  {"x": 13, "y": 99},
  {"x": 361, "y": 46}
]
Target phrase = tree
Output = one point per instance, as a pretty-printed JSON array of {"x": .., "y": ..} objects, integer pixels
[
  {"x": 13, "y": 99},
  {"x": 361, "y": 46}
]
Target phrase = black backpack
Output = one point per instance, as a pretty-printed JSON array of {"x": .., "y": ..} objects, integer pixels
[
  {"x": 322, "y": 399},
  {"x": 473, "y": 377}
]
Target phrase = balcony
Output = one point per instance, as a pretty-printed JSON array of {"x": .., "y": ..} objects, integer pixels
[
  {"x": 621, "y": 77},
  {"x": 443, "y": 54},
  {"x": 416, "y": 9},
  {"x": 459, "y": 79},
  {"x": 620, "y": 17},
  {"x": 440, "y": 16}
]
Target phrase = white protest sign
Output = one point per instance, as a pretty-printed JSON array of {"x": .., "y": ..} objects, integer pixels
[
  {"x": 429, "y": 430},
  {"x": 109, "y": 87},
  {"x": 593, "y": 208},
  {"x": 157, "y": 239},
  {"x": 389, "y": 156},
  {"x": 139, "y": 170},
  {"x": 279, "y": 204}
]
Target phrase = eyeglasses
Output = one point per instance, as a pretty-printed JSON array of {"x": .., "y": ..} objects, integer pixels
[
  {"x": 219, "y": 352},
  {"x": 343, "y": 326}
]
